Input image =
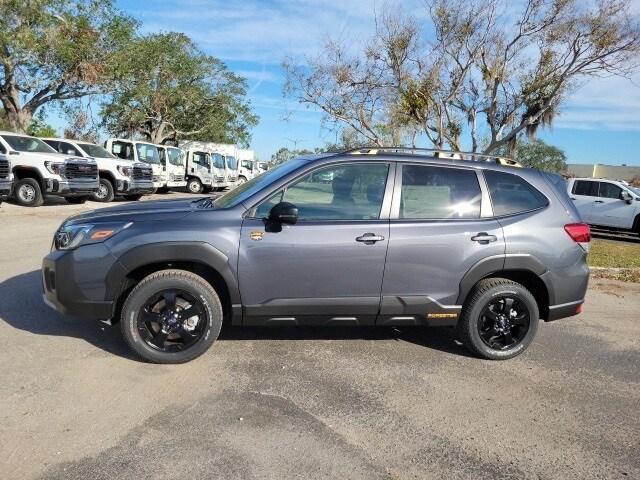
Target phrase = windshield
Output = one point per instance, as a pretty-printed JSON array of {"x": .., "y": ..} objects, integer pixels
[
  {"x": 232, "y": 163},
  {"x": 27, "y": 144},
  {"x": 217, "y": 160},
  {"x": 147, "y": 153},
  {"x": 253, "y": 186},
  {"x": 635, "y": 190},
  {"x": 176, "y": 156},
  {"x": 95, "y": 150}
]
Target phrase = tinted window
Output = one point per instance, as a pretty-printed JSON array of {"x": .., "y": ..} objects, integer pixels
[
  {"x": 344, "y": 192},
  {"x": 2, "y": 149},
  {"x": 122, "y": 150},
  {"x": 609, "y": 190},
  {"x": 585, "y": 187},
  {"x": 436, "y": 193},
  {"x": 512, "y": 194},
  {"x": 68, "y": 149}
]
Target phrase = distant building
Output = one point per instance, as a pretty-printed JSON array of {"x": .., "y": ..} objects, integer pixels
[{"x": 598, "y": 170}]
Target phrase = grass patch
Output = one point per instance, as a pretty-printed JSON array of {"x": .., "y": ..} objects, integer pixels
[{"x": 614, "y": 254}]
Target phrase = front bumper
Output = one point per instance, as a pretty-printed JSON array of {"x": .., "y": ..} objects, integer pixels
[
  {"x": 74, "y": 281},
  {"x": 127, "y": 187},
  {"x": 5, "y": 189},
  {"x": 176, "y": 183},
  {"x": 70, "y": 188}
]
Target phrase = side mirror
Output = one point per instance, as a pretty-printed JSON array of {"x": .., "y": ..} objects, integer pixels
[
  {"x": 626, "y": 196},
  {"x": 284, "y": 212}
]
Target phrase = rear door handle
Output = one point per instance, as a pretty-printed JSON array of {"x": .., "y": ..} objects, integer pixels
[
  {"x": 369, "y": 238},
  {"x": 484, "y": 238},
  {"x": 598, "y": 201}
]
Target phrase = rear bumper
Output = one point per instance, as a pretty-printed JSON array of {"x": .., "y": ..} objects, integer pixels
[{"x": 556, "y": 312}]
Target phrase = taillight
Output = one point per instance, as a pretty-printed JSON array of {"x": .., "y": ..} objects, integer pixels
[{"x": 579, "y": 232}]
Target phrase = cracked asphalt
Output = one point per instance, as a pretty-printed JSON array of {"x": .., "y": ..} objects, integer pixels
[{"x": 309, "y": 403}]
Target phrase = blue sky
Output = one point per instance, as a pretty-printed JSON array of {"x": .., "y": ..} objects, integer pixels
[{"x": 599, "y": 123}]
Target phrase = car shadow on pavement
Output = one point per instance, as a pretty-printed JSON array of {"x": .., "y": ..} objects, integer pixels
[{"x": 22, "y": 307}]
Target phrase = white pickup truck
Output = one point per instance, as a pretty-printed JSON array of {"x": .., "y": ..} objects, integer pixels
[
  {"x": 39, "y": 170},
  {"x": 139, "y": 152},
  {"x": 606, "y": 203},
  {"x": 173, "y": 165},
  {"x": 117, "y": 176},
  {"x": 6, "y": 178}
]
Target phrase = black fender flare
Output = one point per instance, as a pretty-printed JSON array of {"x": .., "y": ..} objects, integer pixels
[
  {"x": 167, "y": 252},
  {"x": 500, "y": 263}
]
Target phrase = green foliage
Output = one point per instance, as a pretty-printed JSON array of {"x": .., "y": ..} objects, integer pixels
[
  {"x": 40, "y": 128},
  {"x": 54, "y": 50},
  {"x": 284, "y": 154},
  {"x": 169, "y": 90},
  {"x": 538, "y": 154}
]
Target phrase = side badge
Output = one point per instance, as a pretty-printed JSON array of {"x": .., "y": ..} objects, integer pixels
[{"x": 257, "y": 236}]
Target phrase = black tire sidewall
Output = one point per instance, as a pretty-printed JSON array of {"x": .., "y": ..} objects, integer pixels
[
  {"x": 38, "y": 198},
  {"x": 110, "y": 192},
  {"x": 475, "y": 310},
  {"x": 138, "y": 298}
]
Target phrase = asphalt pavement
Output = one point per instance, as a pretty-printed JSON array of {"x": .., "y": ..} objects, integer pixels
[{"x": 308, "y": 403}]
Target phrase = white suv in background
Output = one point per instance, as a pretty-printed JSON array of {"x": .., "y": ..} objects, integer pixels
[
  {"x": 117, "y": 176},
  {"x": 606, "y": 203},
  {"x": 40, "y": 170}
]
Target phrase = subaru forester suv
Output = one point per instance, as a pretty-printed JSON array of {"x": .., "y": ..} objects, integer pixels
[{"x": 394, "y": 237}]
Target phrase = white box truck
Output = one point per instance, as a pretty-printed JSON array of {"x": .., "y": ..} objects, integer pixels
[
  {"x": 173, "y": 167},
  {"x": 140, "y": 152},
  {"x": 247, "y": 165}
]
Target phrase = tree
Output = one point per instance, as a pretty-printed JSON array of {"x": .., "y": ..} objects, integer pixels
[
  {"x": 538, "y": 154},
  {"x": 483, "y": 71},
  {"x": 40, "y": 128},
  {"x": 169, "y": 90},
  {"x": 55, "y": 50},
  {"x": 284, "y": 154}
]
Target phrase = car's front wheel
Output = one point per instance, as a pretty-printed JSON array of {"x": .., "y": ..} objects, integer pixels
[
  {"x": 194, "y": 185},
  {"x": 105, "y": 193},
  {"x": 28, "y": 193},
  {"x": 499, "y": 320},
  {"x": 171, "y": 316}
]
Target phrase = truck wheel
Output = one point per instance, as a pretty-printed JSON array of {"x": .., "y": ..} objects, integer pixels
[
  {"x": 241, "y": 180},
  {"x": 194, "y": 185},
  {"x": 105, "y": 193},
  {"x": 28, "y": 193},
  {"x": 499, "y": 320},
  {"x": 76, "y": 200},
  {"x": 133, "y": 198},
  {"x": 171, "y": 316}
]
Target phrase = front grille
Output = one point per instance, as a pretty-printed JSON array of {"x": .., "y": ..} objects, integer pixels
[
  {"x": 4, "y": 168},
  {"x": 80, "y": 170},
  {"x": 219, "y": 178},
  {"x": 178, "y": 178},
  {"x": 142, "y": 173}
]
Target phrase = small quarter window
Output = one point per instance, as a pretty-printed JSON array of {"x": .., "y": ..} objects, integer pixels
[{"x": 512, "y": 194}]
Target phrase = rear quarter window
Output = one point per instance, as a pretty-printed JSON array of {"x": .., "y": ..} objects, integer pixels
[{"x": 511, "y": 194}]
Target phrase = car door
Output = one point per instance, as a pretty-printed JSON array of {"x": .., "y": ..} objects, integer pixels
[
  {"x": 440, "y": 228},
  {"x": 610, "y": 210},
  {"x": 583, "y": 194},
  {"x": 328, "y": 267}
]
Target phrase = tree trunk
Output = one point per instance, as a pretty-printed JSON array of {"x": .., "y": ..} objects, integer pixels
[{"x": 18, "y": 118}]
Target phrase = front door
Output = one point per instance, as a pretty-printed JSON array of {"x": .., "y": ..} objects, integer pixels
[
  {"x": 328, "y": 267},
  {"x": 610, "y": 210}
]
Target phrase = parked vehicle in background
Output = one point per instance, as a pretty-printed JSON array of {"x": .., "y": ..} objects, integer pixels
[
  {"x": 231, "y": 170},
  {"x": 247, "y": 165},
  {"x": 139, "y": 152},
  {"x": 117, "y": 176},
  {"x": 203, "y": 177},
  {"x": 6, "y": 178},
  {"x": 606, "y": 203},
  {"x": 489, "y": 249},
  {"x": 39, "y": 170},
  {"x": 173, "y": 165}
]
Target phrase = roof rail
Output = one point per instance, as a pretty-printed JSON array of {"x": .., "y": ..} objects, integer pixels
[{"x": 444, "y": 154}]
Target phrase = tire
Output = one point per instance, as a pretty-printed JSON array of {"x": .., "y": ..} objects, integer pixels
[
  {"x": 28, "y": 192},
  {"x": 133, "y": 197},
  {"x": 241, "y": 180},
  {"x": 105, "y": 193},
  {"x": 163, "y": 190},
  {"x": 76, "y": 200},
  {"x": 194, "y": 185},
  {"x": 140, "y": 334},
  {"x": 489, "y": 337}
]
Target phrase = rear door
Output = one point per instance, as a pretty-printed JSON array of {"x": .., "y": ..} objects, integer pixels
[
  {"x": 440, "y": 227},
  {"x": 610, "y": 210},
  {"x": 583, "y": 194}
]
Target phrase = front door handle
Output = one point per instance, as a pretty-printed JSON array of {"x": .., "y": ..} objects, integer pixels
[
  {"x": 484, "y": 238},
  {"x": 370, "y": 238}
]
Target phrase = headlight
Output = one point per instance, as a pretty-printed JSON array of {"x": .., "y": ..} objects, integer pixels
[
  {"x": 124, "y": 170},
  {"x": 69, "y": 237},
  {"x": 55, "y": 168}
]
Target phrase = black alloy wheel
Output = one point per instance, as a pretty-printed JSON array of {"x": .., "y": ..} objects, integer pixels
[{"x": 504, "y": 322}]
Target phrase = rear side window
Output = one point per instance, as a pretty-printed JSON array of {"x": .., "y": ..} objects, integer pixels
[
  {"x": 512, "y": 194},
  {"x": 439, "y": 193},
  {"x": 585, "y": 187}
]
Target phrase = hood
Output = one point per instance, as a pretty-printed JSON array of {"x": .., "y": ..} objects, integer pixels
[{"x": 165, "y": 210}]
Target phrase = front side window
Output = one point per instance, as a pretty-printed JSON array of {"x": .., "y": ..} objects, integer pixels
[
  {"x": 200, "y": 158},
  {"x": 338, "y": 192},
  {"x": 27, "y": 144},
  {"x": 585, "y": 187},
  {"x": 512, "y": 194},
  {"x": 147, "y": 153},
  {"x": 68, "y": 149},
  {"x": 248, "y": 164},
  {"x": 430, "y": 192},
  {"x": 122, "y": 150},
  {"x": 609, "y": 190}
]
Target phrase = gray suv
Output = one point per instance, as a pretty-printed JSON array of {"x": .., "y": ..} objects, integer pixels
[{"x": 365, "y": 237}]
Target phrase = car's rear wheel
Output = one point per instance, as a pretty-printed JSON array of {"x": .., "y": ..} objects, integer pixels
[
  {"x": 499, "y": 320},
  {"x": 172, "y": 316}
]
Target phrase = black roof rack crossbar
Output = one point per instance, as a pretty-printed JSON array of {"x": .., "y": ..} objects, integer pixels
[{"x": 426, "y": 151}]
